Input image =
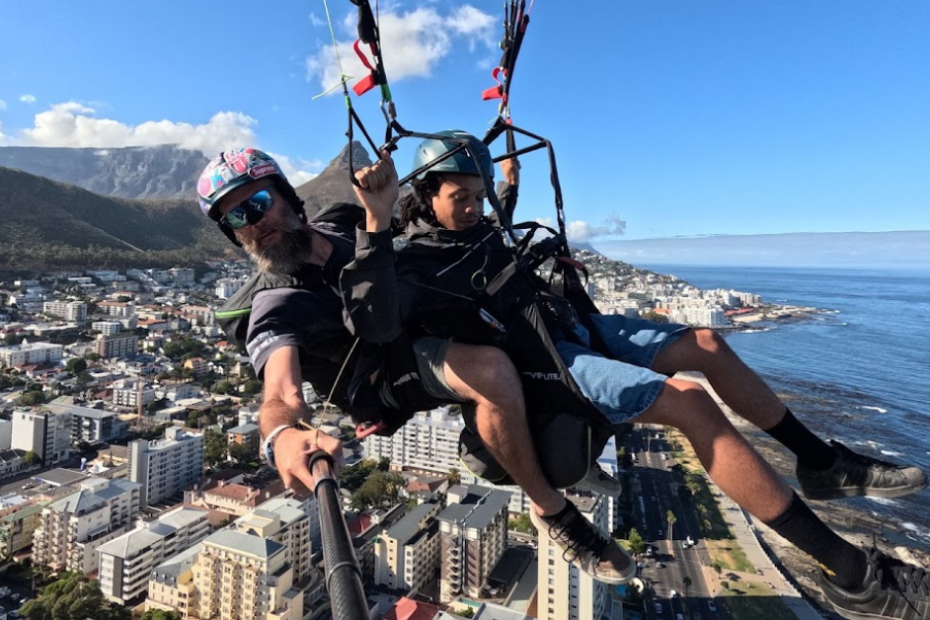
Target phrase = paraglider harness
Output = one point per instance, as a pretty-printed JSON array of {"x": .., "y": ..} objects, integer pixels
[{"x": 558, "y": 413}]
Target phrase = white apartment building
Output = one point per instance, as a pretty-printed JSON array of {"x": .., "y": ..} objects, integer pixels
[
  {"x": 407, "y": 553},
  {"x": 289, "y": 522},
  {"x": 121, "y": 309},
  {"x": 74, "y": 527},
  {"x": 473, "y": 531},
  {"x": 118, "y": 345},
  {"x": 565, "y": 592},
  {"x": 126, "y": 562},
  {"x": 107, "y": 328},
  {"x": 608, "y": 462},
  {"x": 45, "y": 433},
  {"x": 72, "y": 311},
  {"x": 128, "y": 393},
  {"x": 30, "y": 353},
  {"x": 225, "y": 288},
  {"x": 702, "y": 317},
  {"x": 231, "y": 575},
  {"x": 429, "y": 442},
  {"x": 163, "y": 467}
]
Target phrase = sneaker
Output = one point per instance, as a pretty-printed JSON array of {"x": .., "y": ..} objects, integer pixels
[
  {"x": 599, "y": 481},
  {"x": 854, "y": 474},
  {"x": 587, "y": 547},
  {"x": 892, "y": 589}
]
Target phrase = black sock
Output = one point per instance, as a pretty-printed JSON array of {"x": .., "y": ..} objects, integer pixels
[
  {"x": 843, "y": 562},
  {"x": 811, "y": 450}
]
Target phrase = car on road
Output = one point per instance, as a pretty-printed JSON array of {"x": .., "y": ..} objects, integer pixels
[
  {"x": 660, "y": 564},
  {"x": 684, "y": 544},
  {"x": 711, "y": 606},
  {"x": 658, "y": 608},
  {"x": 689, "y": 541}
]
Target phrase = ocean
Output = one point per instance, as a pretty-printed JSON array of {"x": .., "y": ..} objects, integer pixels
[{"x": 858, "y": 373}]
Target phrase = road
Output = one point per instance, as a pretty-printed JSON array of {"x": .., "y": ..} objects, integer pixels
[{"x": 656, "y": 487}]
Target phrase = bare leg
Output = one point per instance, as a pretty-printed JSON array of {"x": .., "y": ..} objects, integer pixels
[
  {"x": 730, "y": 461},
  {"x": 705, "y": 351},
  {"x": 486, "y": 376}
]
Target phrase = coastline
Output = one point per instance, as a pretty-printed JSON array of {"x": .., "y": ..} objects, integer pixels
[{"x": 853, "y": 523}]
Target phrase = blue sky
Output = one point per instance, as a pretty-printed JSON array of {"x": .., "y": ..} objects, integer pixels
[{"x": 680, "y": 118}]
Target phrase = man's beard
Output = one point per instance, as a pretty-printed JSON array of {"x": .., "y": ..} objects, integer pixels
[{"x": 286, "y": 255}]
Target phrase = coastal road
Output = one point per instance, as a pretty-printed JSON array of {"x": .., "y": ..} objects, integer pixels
[{"x": 655, "y": 487}]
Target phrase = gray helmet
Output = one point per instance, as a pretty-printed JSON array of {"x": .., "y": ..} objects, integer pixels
[{"x": 462, "y": 162}]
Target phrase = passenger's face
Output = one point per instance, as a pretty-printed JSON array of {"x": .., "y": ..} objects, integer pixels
[
  {"x": 278, "y": 242},
  {"x": 459, "y": 202}
]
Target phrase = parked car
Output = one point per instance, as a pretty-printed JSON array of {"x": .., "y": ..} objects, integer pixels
[
  {"x": 658, "y": 608},
  {"x": 711, "y": 606}
]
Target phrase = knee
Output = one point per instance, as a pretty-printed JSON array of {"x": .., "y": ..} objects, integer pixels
[
  {"x": 710, "y": 341},
  {"x": 685, "y": 403},
  {"x": 490, "y": 375}
]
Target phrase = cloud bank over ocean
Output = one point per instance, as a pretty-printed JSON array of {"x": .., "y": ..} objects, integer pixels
[{"x": 854, "y": 250}]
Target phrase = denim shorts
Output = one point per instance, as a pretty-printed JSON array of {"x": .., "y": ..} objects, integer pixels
[{"x": 621, "y": 386}]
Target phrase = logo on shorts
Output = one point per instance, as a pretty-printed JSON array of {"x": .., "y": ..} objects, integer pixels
[
  {"x": 410, "y": 376},
  {"x": 543, "y": 376}
]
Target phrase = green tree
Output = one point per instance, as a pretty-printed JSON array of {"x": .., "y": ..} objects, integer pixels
[
  {"x": 655, "y": 317},
  {"x": 30, "y": 399},
  {"x": 637, "y": 544},
  {"x": 352, "y": 478},
  {"x": 76, "y": 365},
  {"x": 252, "y": 387},
  {"x": 725, "y": 585},
  {"x": 160, "y": 614},
  {"x": 384, "y": 464},
  {"x": 717, "y": 568},
  {"x": 522, "y": 523},
  {"x": 454, "y": 476},
  {"x": 687, "y": 583},
  {"x": 90, "y": 356},
  {"x": 223, "y": 387},
  {"x": 72, "y": 597},
  {"x": 242, "y": 453},
  {"x": 670, "y": 518},
  {"x": 30, "y": 458},
  {"x": 468, "y": 612},
  {"x": 380, "y": 489},
  {"x": 214, "y": 448}
]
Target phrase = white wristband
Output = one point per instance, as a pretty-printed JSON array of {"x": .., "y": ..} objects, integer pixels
[{"x": 267, "y": 452}]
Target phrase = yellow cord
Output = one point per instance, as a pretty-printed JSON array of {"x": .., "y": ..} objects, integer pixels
[{"x": 342, "y": 74}]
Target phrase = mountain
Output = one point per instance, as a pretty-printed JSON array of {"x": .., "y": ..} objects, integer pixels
[
  {"x": 132, "y": 172},
  {"x": 333, "y": 184}
]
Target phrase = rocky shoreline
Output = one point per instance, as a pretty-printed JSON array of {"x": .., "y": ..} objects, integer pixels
[{"x": 853, "y": 523}]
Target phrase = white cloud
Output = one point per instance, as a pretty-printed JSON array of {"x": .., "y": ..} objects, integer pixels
[
  {"x": 298, "y": 171},
  {"x": 579, "y": 231},
  {"x": 73, "y": 124},
  {"x": 27, "y": 98},
  {"x": 412, "y": 42},
  {"x": 316, "y": 21},
  {"x": 2, "y": 104}
]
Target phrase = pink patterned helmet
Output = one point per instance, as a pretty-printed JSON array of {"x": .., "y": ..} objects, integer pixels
[{"x": 232, "y": 169}]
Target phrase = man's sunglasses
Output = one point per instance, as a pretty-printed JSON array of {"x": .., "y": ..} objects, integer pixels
[{"x": 250, "y": 211}]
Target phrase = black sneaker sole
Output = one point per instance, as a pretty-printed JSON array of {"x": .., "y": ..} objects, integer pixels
[{"x": 845, "y": 492}]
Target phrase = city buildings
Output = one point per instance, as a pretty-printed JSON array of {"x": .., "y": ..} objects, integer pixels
[
  {"x": 407, "y": 553},
  {"x": 289, "y": 522},
  {"x": 74, "y": 527},
  {"x": 473, "y": 531},
  {"x": 20, "y": 517},
  {"x": 44, "y": 433},
  {"x": 126, "y": 562},
  {"x": 30, "y": 353},
  {"x": 164, "y": 467},
  {"x": 128, "y": 393},
  {"x": 92, "y": 426}
]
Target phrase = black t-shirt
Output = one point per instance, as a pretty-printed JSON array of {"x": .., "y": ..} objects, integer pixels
[{"x": 309, "y": 318}]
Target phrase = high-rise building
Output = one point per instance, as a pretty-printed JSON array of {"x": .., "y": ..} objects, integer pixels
[
  {"x": 407, "y": 553},
  {"x": 473, "y": 531},
  {"x": 565, "y": 592},
  {"x": 231, "y": 575},
  {"x": 287, "y": 521},
  {"x": 72, "y": 311},
  {"x": 126, "y": 393},
  {"x": 126, "y": 562},
  {"x": 165, "y": 466},
  {"x": 125, "y": 345},
  {"x": 46, "y": 434},
  {"x": 74, "y": 527}
]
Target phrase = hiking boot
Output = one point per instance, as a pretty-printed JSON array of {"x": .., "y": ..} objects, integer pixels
[
  {"x": 854, "y": 474},
  {"x": 599, "y": 481},
  {"x": 892, "y": 589},
  {"x": 585, "y": 546}
]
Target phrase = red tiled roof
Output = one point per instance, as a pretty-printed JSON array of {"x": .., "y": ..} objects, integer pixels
[{"x": 409, "y": 609}]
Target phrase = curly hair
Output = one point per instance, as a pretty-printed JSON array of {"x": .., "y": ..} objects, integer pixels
[{"x": 416, "y": 203}]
